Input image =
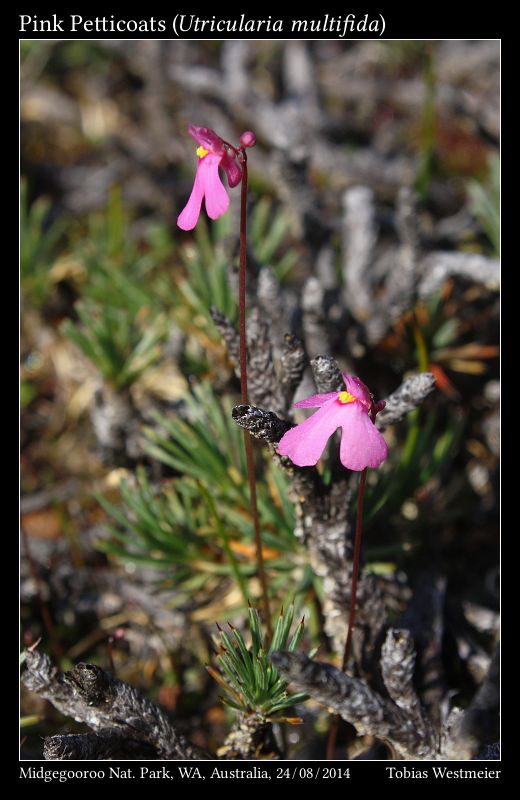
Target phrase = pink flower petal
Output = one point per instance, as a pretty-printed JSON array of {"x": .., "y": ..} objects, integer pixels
[
  {"x": 216, "y": 197},
  {"x": 189, "y": 216},
  {"x": 315, "y": 400},
  {"x": 232, "y": 170},
  {"x": 361, "y": 443},
  {"x": 207, "y": 138},
  {"x": 305, "y": 443},
  {"x": 356, "y": 387}
]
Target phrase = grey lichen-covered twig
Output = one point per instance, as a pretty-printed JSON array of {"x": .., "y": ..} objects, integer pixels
[
  {"x": 277, "y": 305},
  {"x": 314, "y": 317},
  {"x": 375, "y": 304},
  {"x": 401, "y": 282},
  {"x": 264, "y": 386},
  {"x": 104, "y": 745},
  {"x": 230, "y": 336},
  {"x": 261, "y": 424},
  {"x": 359, "y": 241},
  {"x": 89, "y": 694},
  {"x": 327, "y": 374},
  {"x": 263, "y": 382},
  {"x": 408, "y": 396},
  {"x": 292, "y": 364},
  {"x": 397, "y": 668},
  {"x": 479, "y": 723},
  {"x": 424, "y": 618},
  {"x": 250, "y": 737},
  {"x": 354, "y": 700},
  {"x": 380, "y": 287},
  {"x": 439, "y": 266},
  {"x": 399, "y": 720},
  {"x": 117, "y": 425}
]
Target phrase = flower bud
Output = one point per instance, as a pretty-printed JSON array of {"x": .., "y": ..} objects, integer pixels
[{"x": 248, "y": 139}]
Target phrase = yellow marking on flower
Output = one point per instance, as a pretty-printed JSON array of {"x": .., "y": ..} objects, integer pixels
[
  {"x": 201, "y": 151},
  {"x": 346, "y": 397}
]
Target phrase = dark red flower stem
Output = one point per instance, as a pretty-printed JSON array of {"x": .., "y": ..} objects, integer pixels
[
  {"x": 331, "y": 743},
  {"x": 245, "y": 398},
  {"x": 355, "y": 569}
]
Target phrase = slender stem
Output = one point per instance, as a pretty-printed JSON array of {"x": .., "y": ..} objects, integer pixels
[
  {"x": 355, "y": 569},
  {"x": 353, "y": 599},
  {"x": 245, "y": 399},
  {"x": 242, "y": 281}
]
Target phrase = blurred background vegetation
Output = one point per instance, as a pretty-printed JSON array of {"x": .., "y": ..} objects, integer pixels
[{"x": 136, "y": 531}]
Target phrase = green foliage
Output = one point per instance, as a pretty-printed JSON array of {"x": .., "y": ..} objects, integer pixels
[
  {"x": 122, "y": 271},
  {"x": 426, "y": 163},
  {"x": 438, "y": 330},
  {"x": 199, "y": 524},
  {"x": 485, "y": 203},
  {"x": 252, "y": 684},
  {"x": 38, "y": 240},
  {"x": 206, "y": 284},
  {"x": 172, "y": 526},
  {"x": 120, "y": 345},
  {"x": 209, "y": 448},
  {"x": 61, "y": 58},
  {"x": 424, "y": 454},
  {"x": 116, "y": 270},
  {"x": 268, "y": 233}
]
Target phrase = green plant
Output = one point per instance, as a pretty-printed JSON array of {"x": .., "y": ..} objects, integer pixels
[
  {"x": 206, "y": 263},
  {"x": 38, "y": 240},
  {"x": 174, "y": 526},
  {"x": 199, "y": 524},
  {"x": 268, "y": 234},
  {"x": 485, "y": 203},
  {"x": 122, "y": 271},
  {"x": 120, "y": 345},
  {"x": 426, "y": 161},
  {"x": 423, "y": 455},
  {"x": 207, "y": 446},
  {"x": 251, "y": 683}
]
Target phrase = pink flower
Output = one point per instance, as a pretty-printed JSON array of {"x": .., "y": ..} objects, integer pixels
[
  {"x": 361, "y": 443},
  {"x": 213, "y": 153}
]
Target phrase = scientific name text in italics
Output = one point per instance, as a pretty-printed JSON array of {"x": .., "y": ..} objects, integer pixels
[{"x": 337, "y": 26}]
